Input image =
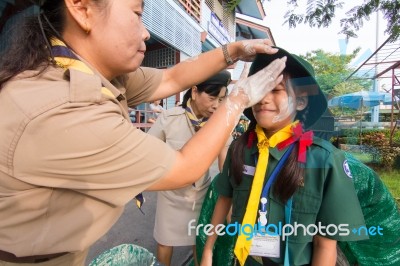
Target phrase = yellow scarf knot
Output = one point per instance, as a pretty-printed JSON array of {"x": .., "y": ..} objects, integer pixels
[{"x": 263, "y": 145}]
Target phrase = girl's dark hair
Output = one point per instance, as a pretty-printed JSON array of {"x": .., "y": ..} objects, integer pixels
[
  {"x": 289, "y": 178},
  {"x": 27, "y": 47},
  {"x": 212, "y": 90}
]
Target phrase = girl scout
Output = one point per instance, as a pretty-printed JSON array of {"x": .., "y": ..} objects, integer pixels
[
  {"x": 70, "y": 158},
  {"x": 277, "y": 176}
]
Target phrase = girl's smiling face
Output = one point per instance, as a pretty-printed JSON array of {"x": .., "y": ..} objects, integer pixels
[{"x": 277, "y": 109}]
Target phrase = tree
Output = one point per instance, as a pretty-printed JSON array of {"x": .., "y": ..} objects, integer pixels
[
  {"x": 332, "y": 69},
  {"x": 345, "y": 88},
  {"x": 319, "y": 13}
]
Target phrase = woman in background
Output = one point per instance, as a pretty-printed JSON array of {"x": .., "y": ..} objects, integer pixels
[{"x": 175, "y": 127}]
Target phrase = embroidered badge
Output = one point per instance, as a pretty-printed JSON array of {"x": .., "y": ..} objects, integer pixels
[{"x": 346, "y": 169}]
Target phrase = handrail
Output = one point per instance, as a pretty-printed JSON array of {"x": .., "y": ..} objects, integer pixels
[{"x": 138, "y": 123}]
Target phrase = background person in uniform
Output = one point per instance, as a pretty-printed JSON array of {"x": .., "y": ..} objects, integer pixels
[
  {"x": 240, "y": 128},
  {"x": 70, "y": 158},
  {"x": 155, "y": 109},
  {"x": 276, "y": 173},
  {"x": 132, "y": 114},
  {"x": 175, "y": 127}
]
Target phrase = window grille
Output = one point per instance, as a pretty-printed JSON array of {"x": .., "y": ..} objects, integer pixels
[
  {"x": 161, "y": 58},
  {"x": 192, "y": 7},
  {"x": 169, "y": 26}
]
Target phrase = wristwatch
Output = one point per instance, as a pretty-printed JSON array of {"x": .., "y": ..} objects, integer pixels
[{"x": 227, "y": 57}]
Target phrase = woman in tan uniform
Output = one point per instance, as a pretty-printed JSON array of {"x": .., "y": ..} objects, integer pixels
[
  {"x": 70, "y": 158},
  {"x": 175, "y": 127}
]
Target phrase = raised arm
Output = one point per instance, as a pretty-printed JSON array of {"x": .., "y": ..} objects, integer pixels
[
  {"x": 197, "y": 69},
  {"x": 201, "y": 150}
]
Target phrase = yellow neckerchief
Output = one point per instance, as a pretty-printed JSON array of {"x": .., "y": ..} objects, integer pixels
[
  {"x": 72, "y": 61},
  {"x": 242, "y": 247},
  {"x": 197, "y": 123}
]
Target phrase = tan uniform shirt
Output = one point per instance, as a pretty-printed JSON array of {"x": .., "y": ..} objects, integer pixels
[
  {"x": 174, "y": 127},
  {"x": 70, "y": 159}
]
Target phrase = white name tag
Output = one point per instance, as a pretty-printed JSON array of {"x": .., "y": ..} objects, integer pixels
[
  {"x": 265, "y": 246},
  {"x": 249, "y": 170}
]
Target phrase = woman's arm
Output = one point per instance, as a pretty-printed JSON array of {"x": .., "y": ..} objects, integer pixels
[
  {"x": 197, "y": 69},
  {"x": 324, "y": 252},
  {"x": 196, "y": 156},
  {"x": 221, "y": 210}
]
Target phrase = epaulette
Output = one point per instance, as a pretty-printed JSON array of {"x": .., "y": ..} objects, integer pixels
[
  {"x": 326, "y": 145},
  {"x": 175, "y": 111}
]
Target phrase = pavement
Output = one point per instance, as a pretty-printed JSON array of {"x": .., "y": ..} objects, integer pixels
[{"x": 135, "y": 228}]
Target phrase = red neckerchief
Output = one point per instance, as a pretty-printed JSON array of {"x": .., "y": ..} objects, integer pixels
[
  {"x": 305, "y": 139},
  {"x": 250, "y": 140}
]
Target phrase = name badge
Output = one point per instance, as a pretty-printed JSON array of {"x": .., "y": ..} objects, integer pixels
[
  {"x": 249, "y": 170},
  {"x": 265, "y": 246}
]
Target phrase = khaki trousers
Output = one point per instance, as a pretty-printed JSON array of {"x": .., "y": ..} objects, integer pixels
[{"x": 70, "y": 259}]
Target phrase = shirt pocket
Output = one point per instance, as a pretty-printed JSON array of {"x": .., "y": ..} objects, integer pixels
[
  {"x": 305, "y": 208},
  {"x": 240, "y": 197}
]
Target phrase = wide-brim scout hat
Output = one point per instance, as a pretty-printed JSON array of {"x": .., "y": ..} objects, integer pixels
[
  {"x": 221, "y": 78},
  {"x": 302, "y": 77}
]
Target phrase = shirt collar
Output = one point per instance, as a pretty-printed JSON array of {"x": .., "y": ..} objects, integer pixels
[{"x": 274, "y": 152}]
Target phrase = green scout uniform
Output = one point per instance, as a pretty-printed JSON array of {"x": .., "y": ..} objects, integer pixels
[{"x": 328, "y": 197}]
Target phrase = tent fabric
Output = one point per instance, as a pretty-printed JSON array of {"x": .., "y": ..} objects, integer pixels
[{"x": 360, "y": 99}]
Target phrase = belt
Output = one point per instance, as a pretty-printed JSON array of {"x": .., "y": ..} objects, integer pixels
[{"x": 9, "y": 257}]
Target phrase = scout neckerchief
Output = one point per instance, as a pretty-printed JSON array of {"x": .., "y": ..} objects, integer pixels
[
  {"x": 197, "y": 123},
  {"x": 242, "y": 247},
  {"x": 305, "y": 139},
  {"x": 65, "y": 58}
]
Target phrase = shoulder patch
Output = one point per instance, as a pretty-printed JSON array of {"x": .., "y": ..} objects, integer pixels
[{"x": 346, "y": 169}]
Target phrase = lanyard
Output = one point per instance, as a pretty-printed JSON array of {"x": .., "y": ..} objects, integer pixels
[
  {"x": 288, "y": 205},
  {"x": 288, "y": 214},
  {"x": 265, "y": 191}
]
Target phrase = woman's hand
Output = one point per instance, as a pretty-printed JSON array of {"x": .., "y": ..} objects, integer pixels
[
  {"x": 247, "y": 49},
  {"x": 254, "y": 88}
]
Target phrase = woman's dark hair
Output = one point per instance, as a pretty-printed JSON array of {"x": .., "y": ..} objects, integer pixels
[
  {"x": 28, "y": 48},
  {"x": 289, "y": 178},
  {"x": 212, "y": 90}
]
